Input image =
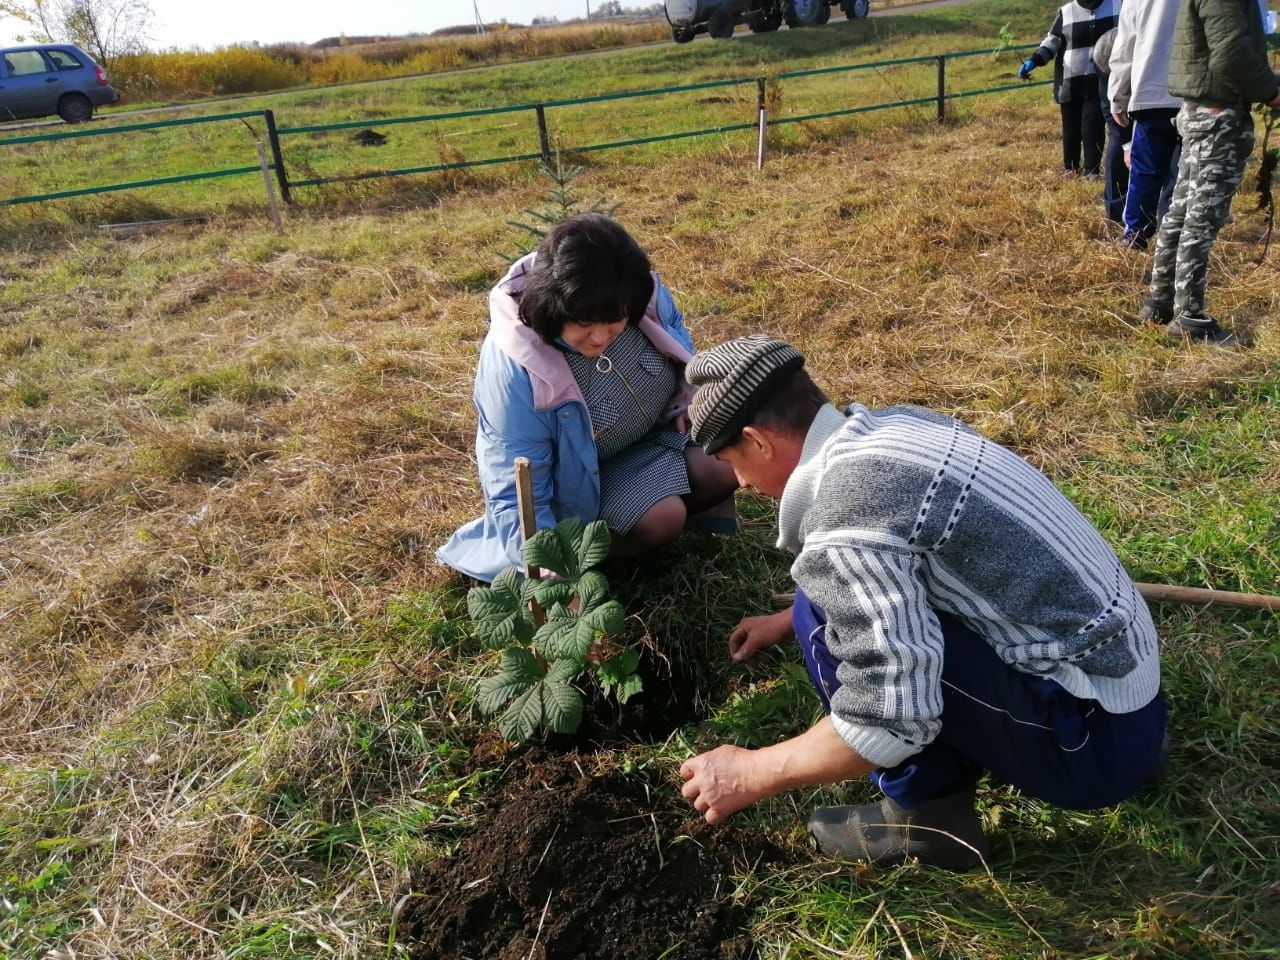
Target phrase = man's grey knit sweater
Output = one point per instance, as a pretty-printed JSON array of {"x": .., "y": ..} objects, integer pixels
[{"x": 901, "y": 512}]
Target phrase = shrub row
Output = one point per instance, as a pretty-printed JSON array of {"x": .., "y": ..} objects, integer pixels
[{"x": 178, "y": 74}]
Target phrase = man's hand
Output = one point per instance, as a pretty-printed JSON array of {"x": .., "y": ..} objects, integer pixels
[
  {"x": 753, "y": 634},
  {"x": 723, "y": 781},
  {"x": 1121, "y": 119}
]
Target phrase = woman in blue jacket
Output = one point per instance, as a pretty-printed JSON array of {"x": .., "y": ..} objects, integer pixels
[{"x": 582, "y": 372}]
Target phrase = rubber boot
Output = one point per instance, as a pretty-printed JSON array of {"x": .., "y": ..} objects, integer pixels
[{"x": 944, "y": 832}]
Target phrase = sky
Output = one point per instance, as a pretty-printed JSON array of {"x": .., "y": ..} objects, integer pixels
[{"x": 186, "y": 24}]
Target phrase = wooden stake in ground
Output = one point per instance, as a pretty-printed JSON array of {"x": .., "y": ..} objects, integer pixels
[{"x": 528, "y": 525}]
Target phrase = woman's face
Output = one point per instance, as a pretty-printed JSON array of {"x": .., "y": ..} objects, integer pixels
[{"x": 592, "y": 339}]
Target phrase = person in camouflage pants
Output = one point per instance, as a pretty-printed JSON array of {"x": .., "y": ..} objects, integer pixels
[
  {"x": 1215, "y": 146},
  {"x": 1219, "y": 68}
]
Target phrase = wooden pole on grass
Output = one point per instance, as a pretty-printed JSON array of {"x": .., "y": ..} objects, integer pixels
[
  {"x": 269, "y": 185},
  {"x": 1161, "y": 593},
  {"x": 528, "y": 525}
]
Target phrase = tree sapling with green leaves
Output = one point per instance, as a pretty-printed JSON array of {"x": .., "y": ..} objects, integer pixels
[{"x": 534, "y": 684}]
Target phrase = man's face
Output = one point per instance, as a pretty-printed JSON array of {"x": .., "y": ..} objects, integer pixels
[{"x": 756, "y": 465}]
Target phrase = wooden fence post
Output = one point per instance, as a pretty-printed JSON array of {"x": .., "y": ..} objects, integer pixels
[{"x": 544, "y": 138}]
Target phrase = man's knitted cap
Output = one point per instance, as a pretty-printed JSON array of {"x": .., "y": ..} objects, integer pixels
[{"x": 734, "y": 380}]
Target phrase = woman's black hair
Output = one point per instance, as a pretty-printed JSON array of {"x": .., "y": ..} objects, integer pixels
[{"x": 588, "y": 270}]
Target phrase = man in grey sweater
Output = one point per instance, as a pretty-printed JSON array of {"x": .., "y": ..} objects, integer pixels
[{"x": 956, "y": 612}]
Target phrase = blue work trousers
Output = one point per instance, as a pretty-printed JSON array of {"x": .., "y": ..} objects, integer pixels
[
  {"x": 1153, "y": 171},
  {"x": 1026, "y": 730}
]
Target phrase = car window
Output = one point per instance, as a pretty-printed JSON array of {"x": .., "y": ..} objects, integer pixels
[
  {"x": 63, "y": 60},
  {"x": 22, "y": 63}
]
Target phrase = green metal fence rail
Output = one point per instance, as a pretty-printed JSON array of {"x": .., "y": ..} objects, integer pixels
[
  {"x": 264, "y": 115},
  {"x": 539, "y": 109}
]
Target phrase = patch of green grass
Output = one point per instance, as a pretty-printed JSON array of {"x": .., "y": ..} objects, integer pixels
[
  {"x": 39, "y": 501},
  {"x": 1209, "y": 470}
]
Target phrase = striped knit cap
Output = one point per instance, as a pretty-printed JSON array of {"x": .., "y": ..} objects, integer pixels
[{"x": 734, "y": 380}]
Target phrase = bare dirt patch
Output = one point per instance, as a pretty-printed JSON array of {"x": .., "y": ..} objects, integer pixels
[{"x": 572, "y": 866}]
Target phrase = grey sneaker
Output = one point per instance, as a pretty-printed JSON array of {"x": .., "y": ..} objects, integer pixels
[
  {"x": 944, "y": 832},
  {"x": 1200, "y": 330},
  {"x": 1156, "y": 311}
]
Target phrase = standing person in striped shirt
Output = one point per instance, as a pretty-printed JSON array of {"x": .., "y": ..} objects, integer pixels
[
  {"x": 957, "y": 615},
  {"x": 1069, "y": 43}
]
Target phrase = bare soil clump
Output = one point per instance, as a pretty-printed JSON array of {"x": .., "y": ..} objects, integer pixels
[{"x": 571, "y": 867}]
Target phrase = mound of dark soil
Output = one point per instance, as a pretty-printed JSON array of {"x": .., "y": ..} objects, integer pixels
[
  {"x": 572, "y": 867},
  {"x": 668, "y": 702}
]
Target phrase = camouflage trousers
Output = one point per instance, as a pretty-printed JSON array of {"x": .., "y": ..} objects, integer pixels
[{"x": 1215, "y": 147}]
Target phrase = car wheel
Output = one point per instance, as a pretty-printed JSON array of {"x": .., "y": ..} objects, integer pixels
[
  {"x": 721, "y": 24},
  {"x": 824, "y": 14},
  {"x": 804, "y": 13},
  {"x": 75, "y": 108},
  {"x": 855, "y": 9}
]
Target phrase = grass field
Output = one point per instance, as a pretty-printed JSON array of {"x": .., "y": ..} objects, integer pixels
[
  {"x": 235, "y": 691},
  {"x": 62, "y": 165}
]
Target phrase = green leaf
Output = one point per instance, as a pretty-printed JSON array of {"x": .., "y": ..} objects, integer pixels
[
  {"x": 618, "y": 668},
  {"x": 548, "y": 549},
  {"x": 629, "y": 687},
  {"x": 606, "y": 620},
  {"x": 550, "y": 592},
  {"x": 525, "y": 716},
  {"x": 564, "y": 671},
  {"x": 518, "y": 672},
  {"x": 592, "y": 590},
  {"x": 498, "y": 612},
  {"x": 593, "y": 546},
  {"x": 562, "y": 706},
  {"x": 564, "y": 634}
]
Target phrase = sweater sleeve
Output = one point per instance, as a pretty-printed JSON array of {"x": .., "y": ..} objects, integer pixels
[
  {"x": 1233, "y": 57},
  {"x": 1052, "y": 43},
  {"x": 1119, "y": 86},
  {"x": 886, "y": 639}
]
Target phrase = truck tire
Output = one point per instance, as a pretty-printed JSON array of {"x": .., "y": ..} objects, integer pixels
[
  {"x": 75, "y": 108},
  {"x": 804, "y": 13},
  {"x": 721, "y": 23},
  {"x": 824, "y": 14},
  {"x": 768, "y": 19},
  {"x": 855, "y": 9}
]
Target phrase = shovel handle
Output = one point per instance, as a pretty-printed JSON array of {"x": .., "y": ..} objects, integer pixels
[{"x": 1161, "y": 593}]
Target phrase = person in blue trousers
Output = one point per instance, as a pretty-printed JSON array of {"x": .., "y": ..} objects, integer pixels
[
  {"x": 1138, "y": 93},
  {"x": 958, "y": 616}
]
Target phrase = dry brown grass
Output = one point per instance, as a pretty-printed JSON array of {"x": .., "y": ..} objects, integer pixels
[{"x": 269, "y": 436}]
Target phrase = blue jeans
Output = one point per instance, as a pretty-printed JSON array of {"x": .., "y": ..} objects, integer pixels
[
  {"x": 1153, "y": 170},
  {"x": 1026, "y": 730}
]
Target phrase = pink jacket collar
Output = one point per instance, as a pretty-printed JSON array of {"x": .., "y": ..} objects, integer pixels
[{"x": 553, "y": 382}]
